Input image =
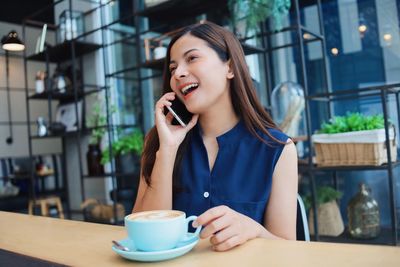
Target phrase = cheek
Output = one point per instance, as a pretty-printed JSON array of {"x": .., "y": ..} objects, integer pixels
[
  {"x": 218, "y": 75},
  {"x": 172, "y": 84}
]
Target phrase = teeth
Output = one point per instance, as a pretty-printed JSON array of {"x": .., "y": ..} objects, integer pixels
[{"x": 185, "y": 89}]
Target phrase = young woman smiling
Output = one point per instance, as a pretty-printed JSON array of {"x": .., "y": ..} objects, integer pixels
[{"x": 230, "y": 165}]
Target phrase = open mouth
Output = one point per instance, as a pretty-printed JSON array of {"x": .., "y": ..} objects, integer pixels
[{"x": 189, "y": 88}]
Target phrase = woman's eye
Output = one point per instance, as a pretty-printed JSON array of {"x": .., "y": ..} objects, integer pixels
[
  {"x": 172, "y": 69},
  {"x": 191, "y": 58}
]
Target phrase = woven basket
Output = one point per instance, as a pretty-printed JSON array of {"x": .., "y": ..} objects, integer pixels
[{"x": 354, "y": 148}]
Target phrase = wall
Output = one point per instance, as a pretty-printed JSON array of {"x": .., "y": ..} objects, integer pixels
[{"x": 19, "y": 148}]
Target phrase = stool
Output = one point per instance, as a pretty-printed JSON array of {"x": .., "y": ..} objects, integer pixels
[{"x": 44, "y": 204}]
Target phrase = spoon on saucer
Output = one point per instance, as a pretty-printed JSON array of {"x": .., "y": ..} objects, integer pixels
[{"x": 119, "y": 246}]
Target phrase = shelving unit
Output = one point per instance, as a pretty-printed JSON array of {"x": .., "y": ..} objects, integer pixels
[
  {"x": 73, "y": 50},
  {"x": 69, "y": 52},
  {"x": 298, "y": 30},
  {"x": 382, "y": 92},
  {"x": 62, "y": 52},
  {"x": 325, "y": 99},
  {"x": 22, "y": 180}
]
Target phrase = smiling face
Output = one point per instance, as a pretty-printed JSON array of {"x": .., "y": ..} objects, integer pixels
[{"x": 198, "y": 76}]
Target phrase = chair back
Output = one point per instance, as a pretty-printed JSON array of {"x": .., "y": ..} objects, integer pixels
[{"x": 302, "y": 231}]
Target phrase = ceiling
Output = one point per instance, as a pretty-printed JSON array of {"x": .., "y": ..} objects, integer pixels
[{"x": 14, "y": 11}]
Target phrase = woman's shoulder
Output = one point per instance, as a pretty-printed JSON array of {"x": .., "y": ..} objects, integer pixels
[{"x": 272, "y": 135}]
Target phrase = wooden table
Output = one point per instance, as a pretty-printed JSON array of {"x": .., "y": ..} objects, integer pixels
[{"x": 88, "y": 244}]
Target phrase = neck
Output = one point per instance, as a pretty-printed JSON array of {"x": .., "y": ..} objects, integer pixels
[{"x": 218, "y": 120}]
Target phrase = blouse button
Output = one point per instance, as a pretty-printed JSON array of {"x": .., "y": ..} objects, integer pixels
[{"x": 206, "y": 194}]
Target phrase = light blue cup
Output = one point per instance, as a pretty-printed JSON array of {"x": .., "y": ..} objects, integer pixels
[{"x": 155, "y": 231}]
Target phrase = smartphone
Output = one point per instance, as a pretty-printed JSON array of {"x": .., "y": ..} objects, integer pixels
[{"x": 181, "y": 115}]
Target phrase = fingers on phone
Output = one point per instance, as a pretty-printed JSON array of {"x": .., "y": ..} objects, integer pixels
[
  {"x": 165, "y": 100},
  {"x": 162, "y": 103},
  {"x": 169, "y": 117},
  {"x": 169, "y": 96}
]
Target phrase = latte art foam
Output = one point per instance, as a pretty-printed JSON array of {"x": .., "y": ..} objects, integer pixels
[{"x": 155, "y": 215}]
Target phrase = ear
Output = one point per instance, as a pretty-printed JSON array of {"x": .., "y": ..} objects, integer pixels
[{"x": 230, "y": 73}]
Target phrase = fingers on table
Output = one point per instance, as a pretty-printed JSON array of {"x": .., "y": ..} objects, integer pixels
[
  {"x": 223, "y": 235},
  {"x": 215, "y": 226},
  {"x": 229, "y": 243}
]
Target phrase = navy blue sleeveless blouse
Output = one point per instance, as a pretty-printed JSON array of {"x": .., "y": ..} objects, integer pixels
[{"x": 240, "y": 179}]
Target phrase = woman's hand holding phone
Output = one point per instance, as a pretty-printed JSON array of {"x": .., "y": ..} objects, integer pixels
[{"x": 170, "y": 136}]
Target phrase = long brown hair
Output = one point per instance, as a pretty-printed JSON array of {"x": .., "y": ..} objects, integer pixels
[{"x": 244, "y": 98}]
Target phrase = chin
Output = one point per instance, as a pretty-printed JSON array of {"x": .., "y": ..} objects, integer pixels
[
  {"x": 198, "y": 106},
  {"x": 194, "y": 109}
]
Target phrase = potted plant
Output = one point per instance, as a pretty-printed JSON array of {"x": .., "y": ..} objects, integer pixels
[
  {"x": 247, "y": 14},
  {"x": 354, "y": 139},
  {"x": 126, "y": 151},
  {"x": 130, "y": 143},
  {"x": 330, "y": 222}
]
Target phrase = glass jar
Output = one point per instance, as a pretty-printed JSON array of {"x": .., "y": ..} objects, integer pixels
[
  {"x": 287, "y": 106},
  {"x": 363, "y": 215}
]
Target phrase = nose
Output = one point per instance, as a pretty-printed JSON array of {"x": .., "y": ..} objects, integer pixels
[{"x": 180, "y": 72}]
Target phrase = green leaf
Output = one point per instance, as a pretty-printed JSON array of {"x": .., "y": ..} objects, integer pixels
[
  {"x": 133, "y": 142},
  {"x": 325, "y": 194},
  {"x": 252, "y": 12},
  {"x": 352, "y": 122}
]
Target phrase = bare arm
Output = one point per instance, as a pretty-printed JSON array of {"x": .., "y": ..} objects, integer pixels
[
  {"x": 280, "y": 214},
  {"x": 159, "y": 195}
]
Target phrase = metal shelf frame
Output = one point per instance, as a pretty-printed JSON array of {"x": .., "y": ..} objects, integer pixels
[
  {"x": 307, "y": 167},
  {"x": 72, "y": 50}
]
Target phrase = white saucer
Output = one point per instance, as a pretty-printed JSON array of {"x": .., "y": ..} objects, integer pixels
[{"x": 136, "y": 255}]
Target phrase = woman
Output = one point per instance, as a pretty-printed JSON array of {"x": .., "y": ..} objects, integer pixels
[{"x": 230, "y": 165}]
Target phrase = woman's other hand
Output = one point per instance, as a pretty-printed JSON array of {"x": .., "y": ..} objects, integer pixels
[
  {"x": 227, "y": 228},
  {"x": 170, "y": 136}
]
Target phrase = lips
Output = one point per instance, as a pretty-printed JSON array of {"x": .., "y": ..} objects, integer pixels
[{"x": 188, "y": 88}]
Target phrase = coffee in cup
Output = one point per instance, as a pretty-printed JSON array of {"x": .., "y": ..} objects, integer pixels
[
  {"x": 155, "y": 215},
  {"x": 159, "y": 229}
]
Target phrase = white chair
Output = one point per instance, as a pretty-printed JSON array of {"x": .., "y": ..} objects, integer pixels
[{"x": 302, "y": 231}]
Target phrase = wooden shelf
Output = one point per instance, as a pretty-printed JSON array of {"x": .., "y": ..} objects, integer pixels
[
  {"x": 303, "y": 167},
  {"x": 62, "y": 52},
  {"x": 356, "y": 93},
  {"x": 68, "y": 96},
  {"x": 109, "y": 175},
  {"x": 384, "y": 238},
  {"x": 63, "y": 97},
  {"x": 65, "y": 134}
]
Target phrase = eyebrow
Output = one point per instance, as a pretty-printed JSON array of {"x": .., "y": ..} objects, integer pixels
[{"x": 184, "y": 54}]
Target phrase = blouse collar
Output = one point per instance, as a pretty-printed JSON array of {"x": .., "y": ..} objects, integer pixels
[{"x": 231, "y": 136}]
